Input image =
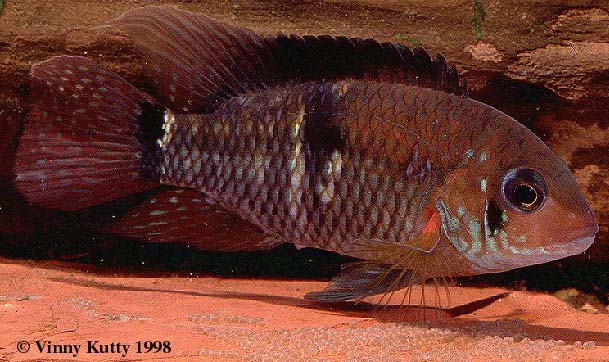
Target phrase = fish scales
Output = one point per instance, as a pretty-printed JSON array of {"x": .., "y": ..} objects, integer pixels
[
  {"x": 350, "y": 145},
  {"x": 316, "y": 164}
]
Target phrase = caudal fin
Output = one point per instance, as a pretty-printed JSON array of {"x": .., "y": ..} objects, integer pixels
[{"x": 90, "y": 136}]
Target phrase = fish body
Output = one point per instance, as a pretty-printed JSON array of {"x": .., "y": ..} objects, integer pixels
[
  {"x": 407, "y": 175},
  {"x": 326, "y": 165},
  {"x": 320, "y": 164}
]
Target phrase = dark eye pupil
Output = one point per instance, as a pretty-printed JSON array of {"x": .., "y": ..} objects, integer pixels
[
  {"x": 525, "y": 195},
  {"x": 524, "y": 190}
]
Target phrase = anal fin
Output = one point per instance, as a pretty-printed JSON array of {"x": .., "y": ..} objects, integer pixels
[{"x": 185, "y": 216}]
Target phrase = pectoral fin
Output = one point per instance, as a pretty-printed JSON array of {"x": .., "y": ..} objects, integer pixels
[
  {"x": 362, "y": 279},
  {"x": 389, "y": 266}
]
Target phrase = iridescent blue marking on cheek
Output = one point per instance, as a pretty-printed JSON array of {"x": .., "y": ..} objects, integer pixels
[
  {"x": 483, "y": 156},
  {"x": 475, "y": 231},
  {"x": 503, "y": 238},
  {"x": 453, "y": 222},
  {"x": 469, "y": 153},
  {"x": 527, "y": 251},
  {"x": 460, "y": 211},
  {"x": 483, "y": 185},
  {"x": 489, "y": 237},
  {"x": 491, "y": 245},
  {"x": 450, "y": 227},
  {"x": 521, "y": 251}
]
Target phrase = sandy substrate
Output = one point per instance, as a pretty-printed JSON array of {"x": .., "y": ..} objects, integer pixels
[
  {"x": 206, "y": 318},
  {"x": 218, "y": 319}
]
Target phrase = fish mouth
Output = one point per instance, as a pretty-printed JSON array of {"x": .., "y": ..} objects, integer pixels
[
  {"x": 579, "y": 242},
  {"x": 507, "y": 256},
  {"x": 574, "y": 247}
]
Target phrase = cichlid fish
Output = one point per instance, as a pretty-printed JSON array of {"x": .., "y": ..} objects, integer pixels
[{"x": 363, "y": 148}]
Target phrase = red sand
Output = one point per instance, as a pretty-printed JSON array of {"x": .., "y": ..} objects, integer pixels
[{"x": 241, "y": 319}]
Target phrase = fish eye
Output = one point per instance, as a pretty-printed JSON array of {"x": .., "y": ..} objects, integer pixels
[{"x": 524, "y": 190}]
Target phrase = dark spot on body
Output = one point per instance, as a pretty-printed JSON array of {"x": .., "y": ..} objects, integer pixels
[
  {"x": 150, "y": 121},
  {"x": 322, "y": 136},
  {"x": 494, "y": 217}
]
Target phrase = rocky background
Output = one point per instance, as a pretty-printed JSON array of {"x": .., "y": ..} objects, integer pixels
[{"x": 546, "y": 63}]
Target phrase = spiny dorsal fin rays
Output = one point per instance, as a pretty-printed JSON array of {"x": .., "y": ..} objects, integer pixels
[{"x": 194, "y": 63}]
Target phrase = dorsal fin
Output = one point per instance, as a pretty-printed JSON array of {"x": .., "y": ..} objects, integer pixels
[{"x": 193, "y": 63}]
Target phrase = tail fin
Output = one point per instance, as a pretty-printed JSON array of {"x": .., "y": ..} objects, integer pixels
[{"x": 90, "y": 136}]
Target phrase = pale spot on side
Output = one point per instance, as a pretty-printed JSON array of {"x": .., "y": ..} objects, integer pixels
[
  {"x": 475, "y": 231},
  {"x": 155, "y": 223},
  {"x": 297, "y": 165}
]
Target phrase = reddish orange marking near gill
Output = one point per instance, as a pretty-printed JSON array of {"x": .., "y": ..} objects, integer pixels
[{"x": 433, "y": 224}]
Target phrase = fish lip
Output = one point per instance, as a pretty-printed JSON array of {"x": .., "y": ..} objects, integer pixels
[
  {"x": 579, "y": 241},
  {"x": 577, "y": 244}
]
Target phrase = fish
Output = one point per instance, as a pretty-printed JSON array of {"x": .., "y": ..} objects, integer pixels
[
  {"x": 260, "y": 61},
  {"x": 367, "y": 149}
]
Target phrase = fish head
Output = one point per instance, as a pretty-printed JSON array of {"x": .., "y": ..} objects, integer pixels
[{"x": 514, "y": 203}]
